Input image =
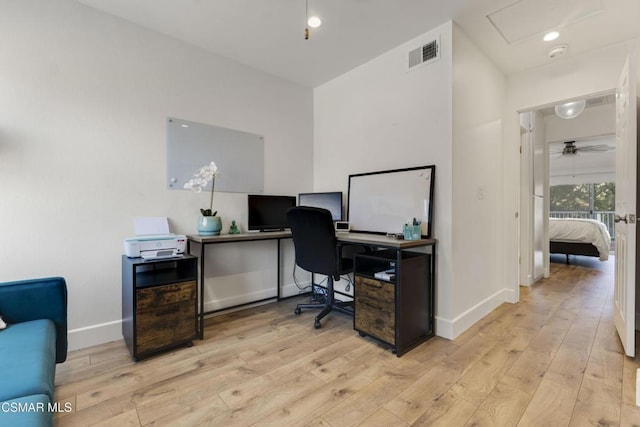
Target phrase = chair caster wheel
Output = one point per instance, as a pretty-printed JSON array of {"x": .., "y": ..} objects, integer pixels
[
  {"x": 317, "y": 324},
  {"x": 297, "y": 311}
]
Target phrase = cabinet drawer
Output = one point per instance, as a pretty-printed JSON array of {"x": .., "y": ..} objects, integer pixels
[
  {"x": 165, "y": 325},
  {"x": 167, "y": 294},
  {"x": 375, "y": 318},
  {"x": 374, "y": 312},
  {"x": 375, "y": 289}
]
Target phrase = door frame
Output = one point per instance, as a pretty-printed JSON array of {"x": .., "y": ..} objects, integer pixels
[{"x": 525, "y": 232}]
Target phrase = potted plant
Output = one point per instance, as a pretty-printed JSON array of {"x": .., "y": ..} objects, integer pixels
[{"x": 209, "y": 224}]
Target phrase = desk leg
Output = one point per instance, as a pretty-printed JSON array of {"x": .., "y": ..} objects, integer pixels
[
  {"x": 398, "y": 289},
  {"x": 432, "y": 291},
  {"x": 278, "y": 284},
  {"x": 202, "y": 245}
]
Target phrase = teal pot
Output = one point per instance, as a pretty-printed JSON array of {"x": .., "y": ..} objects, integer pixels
[{"x": 209, "y": 225}]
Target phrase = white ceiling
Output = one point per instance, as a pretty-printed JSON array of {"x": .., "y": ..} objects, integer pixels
[
  {"x": 269, "y": 34},
  {"x": 583, "y": 25}
]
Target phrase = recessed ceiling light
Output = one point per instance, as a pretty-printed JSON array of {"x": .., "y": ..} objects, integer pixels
[
  {"x": 185, "y": 126},
  {"x": 314, "y": 22},
  {"x": 551, "y": 35}
]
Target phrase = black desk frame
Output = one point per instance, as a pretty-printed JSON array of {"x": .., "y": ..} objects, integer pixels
[
  {"x": 361, "y": 239},
  {"x": 205, "y": 241}
]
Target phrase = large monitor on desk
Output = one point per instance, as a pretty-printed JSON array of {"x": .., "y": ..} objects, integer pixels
[
  {"x": 331, "y": 201},
  {"x": 268, "y": 213}
]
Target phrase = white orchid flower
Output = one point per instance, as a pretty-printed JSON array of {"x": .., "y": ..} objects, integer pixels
[{"x": 200, "y": 180}]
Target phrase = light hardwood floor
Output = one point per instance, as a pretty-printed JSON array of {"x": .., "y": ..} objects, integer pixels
[{"x": 553, "y": 359}]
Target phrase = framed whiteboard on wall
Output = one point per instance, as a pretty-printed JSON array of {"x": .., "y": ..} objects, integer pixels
[{"x": 382, "y": 202}]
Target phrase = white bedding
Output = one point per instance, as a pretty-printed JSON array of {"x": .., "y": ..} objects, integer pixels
[{"x": 581, "y": 231}]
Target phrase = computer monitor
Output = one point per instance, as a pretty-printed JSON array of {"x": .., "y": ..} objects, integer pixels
[
  {"x": 331, "y": 201},
  {"x": 269, "y": 213}
]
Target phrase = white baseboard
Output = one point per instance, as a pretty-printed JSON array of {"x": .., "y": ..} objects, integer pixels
[
  {"x": 285, "y": 291},
  {"x": 510, "y": 296},
  {"x": 451, "y": 329},
  {"x": 94, "y": 335},
  {"x": 111, "y": 331}
]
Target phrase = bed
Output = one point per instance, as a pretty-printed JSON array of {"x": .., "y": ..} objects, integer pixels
[{"x": 573, "y": 236}]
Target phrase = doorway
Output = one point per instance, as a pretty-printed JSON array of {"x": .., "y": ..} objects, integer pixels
[{"x": 563, "y": 154}]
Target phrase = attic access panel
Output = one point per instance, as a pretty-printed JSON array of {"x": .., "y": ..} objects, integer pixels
[
  {"x": 382, "y": 202},
  {"x": 524, "y": 19}
]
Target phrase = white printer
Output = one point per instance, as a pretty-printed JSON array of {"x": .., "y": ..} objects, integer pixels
[{"x": 153, "y": 240}]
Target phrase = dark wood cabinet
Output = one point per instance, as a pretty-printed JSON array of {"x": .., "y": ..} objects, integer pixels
[
  {"x": 398, "y": 311},
  {"x": 159, "y": 304}
]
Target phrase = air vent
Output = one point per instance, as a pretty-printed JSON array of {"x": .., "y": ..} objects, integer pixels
[{"x": 424, "y": 54}]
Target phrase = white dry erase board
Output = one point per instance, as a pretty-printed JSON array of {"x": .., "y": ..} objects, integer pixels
[
  {"x": 382, "y": 202},
  {"x": 238, "y": 155}
]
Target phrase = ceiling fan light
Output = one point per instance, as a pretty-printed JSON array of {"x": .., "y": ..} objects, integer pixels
[
  {"x": 570, "y": 110},
  {"x": 314, "y": 22}
]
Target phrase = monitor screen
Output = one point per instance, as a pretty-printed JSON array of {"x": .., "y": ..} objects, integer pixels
[
  {"x": 269, "y": 212},
  {"x": 330, "y": 201}
]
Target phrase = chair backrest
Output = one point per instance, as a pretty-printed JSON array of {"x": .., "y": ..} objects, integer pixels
[{"x": 314, "y": 239}]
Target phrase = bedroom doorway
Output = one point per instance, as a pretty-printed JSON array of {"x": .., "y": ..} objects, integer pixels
[{"x": 568, "y": 171}]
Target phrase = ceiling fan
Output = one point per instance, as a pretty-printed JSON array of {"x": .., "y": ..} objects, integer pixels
[{"x": 571, "y": 149}]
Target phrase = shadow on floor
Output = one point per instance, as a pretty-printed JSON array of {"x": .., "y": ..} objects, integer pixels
[{"x": 584, "y": 261}]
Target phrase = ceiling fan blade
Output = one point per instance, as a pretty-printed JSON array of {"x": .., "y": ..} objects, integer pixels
[{"x": 601, "y": 148}]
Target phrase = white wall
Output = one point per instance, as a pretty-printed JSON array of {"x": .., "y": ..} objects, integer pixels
[
  {"x": 448, "y": 113},
  {"x": 479, "y": 90},
  {"x": 83, "y": 102},
  {"x": 378, "y": 116}
]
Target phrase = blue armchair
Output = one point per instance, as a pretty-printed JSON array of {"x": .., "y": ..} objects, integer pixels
[{"x": 34, "y": 341}]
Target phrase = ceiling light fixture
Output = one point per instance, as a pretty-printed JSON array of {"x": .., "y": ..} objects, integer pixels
[
  {"x": 550, "y": 36},
  {"x": 570, "y": 110},
  {"x": 306, "y": 15},
  {"x": 312, "y": 21}
]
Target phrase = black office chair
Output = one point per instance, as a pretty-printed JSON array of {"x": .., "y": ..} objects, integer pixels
[{"x": 316, "y": 250}]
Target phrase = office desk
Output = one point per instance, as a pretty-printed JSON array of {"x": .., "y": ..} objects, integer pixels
[
  {"x": 363, "y": 239},
  {"x": 204, "y": 241}
]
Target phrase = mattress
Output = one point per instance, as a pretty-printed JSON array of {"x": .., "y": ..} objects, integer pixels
[{"x": 575, "y": 230}]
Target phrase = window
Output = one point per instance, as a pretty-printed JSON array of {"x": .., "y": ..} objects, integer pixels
[{"x": 593, "y": 201}]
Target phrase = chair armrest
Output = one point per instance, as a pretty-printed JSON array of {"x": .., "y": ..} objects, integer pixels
[{"x": 34, "y": 299}]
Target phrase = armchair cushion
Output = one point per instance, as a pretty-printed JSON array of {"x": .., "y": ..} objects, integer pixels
[
  {"x": 34, "y": 299},
  {"x": 27, "y": 359}
]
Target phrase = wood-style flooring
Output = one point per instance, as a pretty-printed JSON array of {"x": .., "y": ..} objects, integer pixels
[{"x": 554, "y": 359}]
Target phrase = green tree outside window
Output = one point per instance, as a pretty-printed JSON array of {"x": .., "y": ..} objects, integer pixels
[{"x": 583, "y": 197}]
